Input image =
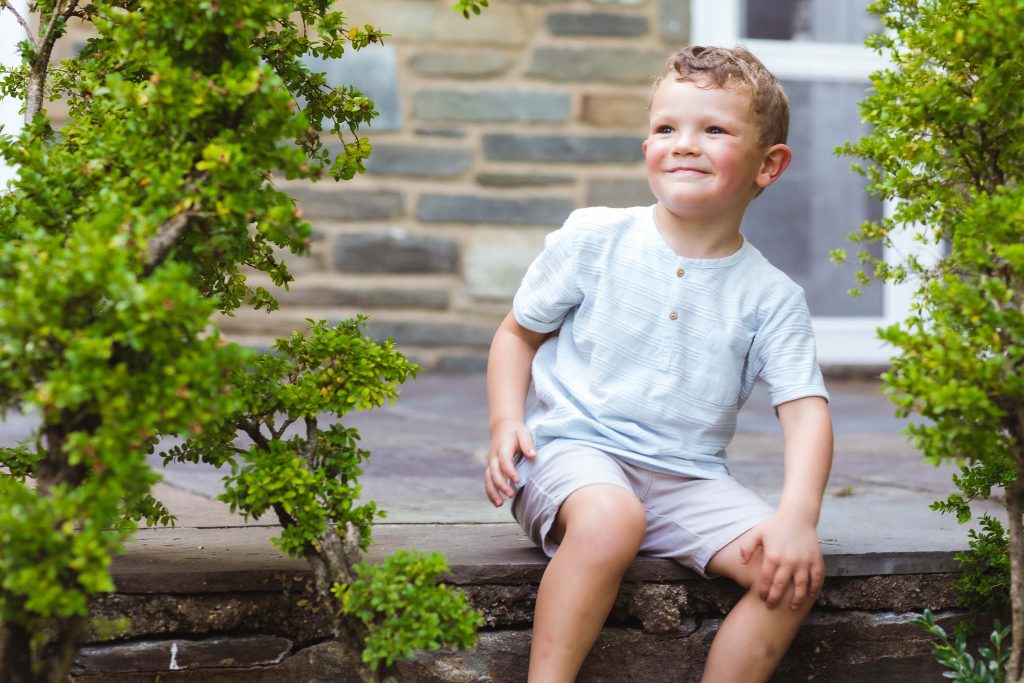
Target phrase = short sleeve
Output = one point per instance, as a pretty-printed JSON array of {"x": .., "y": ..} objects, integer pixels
[
  {"x": 785, "y": 354},
  {"x": 549, "y": 289}
]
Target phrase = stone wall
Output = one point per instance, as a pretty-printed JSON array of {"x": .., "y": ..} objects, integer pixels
[
  {"x": 219, "y": 604},
  {"x": 491, "y": 131},
  {"x": 660, "y": 630}
]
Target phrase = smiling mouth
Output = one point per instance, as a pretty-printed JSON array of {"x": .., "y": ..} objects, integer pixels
[{"x": 686, "y": 169}]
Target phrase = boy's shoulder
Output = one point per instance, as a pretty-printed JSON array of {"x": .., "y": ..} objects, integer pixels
[
  {"x": 600, "y": 223},
  {"x": 770, "y": 285}
]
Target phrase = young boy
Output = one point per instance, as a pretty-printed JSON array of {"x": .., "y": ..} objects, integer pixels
[{"x": 643, "y": 331}]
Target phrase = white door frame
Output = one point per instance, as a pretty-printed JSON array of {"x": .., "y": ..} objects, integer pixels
[{"x": 842, "y": 340}]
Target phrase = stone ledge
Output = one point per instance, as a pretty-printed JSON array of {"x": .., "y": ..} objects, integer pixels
[
  {"x": 216, "y": 559},
  {"x": 206, "y": 599}
]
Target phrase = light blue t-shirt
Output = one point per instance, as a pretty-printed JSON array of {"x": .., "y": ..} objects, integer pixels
[{"x": 655, "y": 353}]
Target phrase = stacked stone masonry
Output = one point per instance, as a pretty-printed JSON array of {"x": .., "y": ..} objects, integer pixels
[
  {"x": 492, "y": 131},
  {"x": 256, "y": 626}
]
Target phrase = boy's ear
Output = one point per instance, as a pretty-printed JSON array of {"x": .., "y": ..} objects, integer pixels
[{"x": 776, "y": 160}]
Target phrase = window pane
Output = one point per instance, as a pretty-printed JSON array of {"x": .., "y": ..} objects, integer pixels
[
  {"x": 800, "y": 219},
  {"x": 825, "y": 21}
]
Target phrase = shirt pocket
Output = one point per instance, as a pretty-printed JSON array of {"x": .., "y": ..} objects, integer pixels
[{"x": 723, "y": 361}]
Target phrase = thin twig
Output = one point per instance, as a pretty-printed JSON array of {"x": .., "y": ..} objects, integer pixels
[{"x": 5, "y": 5}]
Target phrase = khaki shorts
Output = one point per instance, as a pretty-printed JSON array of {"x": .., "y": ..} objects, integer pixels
[{"x": 688, "y": 520}]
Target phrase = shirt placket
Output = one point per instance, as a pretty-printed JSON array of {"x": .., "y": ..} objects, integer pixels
[{"x": 673, "y": 316}]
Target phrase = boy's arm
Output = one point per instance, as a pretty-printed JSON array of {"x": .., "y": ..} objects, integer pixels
[
  {"x": 508, "y": 381},
  {"x": 788, "y": 538}
]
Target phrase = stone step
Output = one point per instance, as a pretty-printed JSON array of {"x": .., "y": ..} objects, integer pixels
[{"x": 220, "y": 604}]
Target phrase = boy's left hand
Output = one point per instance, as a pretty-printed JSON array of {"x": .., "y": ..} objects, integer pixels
[{"x": 790, "y": 555}]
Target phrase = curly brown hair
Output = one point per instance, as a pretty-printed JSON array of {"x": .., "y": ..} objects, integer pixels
[{"x": 738, "y": 68}]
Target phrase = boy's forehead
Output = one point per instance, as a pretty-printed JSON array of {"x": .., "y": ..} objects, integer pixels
[{"x": 737, "y": 89}]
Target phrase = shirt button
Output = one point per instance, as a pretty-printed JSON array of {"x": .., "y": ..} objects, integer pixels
[
  {"x": 673, "y": 315},
  {"x": 680, "y": 272}
]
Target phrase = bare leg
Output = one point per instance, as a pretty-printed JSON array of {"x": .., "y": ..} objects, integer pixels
[
  {"x": 600, "y": 528},
  {"x": 754, "y": 637}
]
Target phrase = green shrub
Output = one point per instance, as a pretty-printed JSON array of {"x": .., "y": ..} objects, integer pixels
[
  {"x": 122, "y": 235},
  {"x": 947, "y": 148}
]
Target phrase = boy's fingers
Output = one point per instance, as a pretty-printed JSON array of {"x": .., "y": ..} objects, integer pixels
[
  {"x": 492, "y": 494},
  {"x": 778, "y": 587},
  {"x": 768, "y": 571},
  {"x": 507, "y": 467},
  {"x": 497, "y": 477},
  {"x": 526, "y": 445},
  {"x": 800, "y": 583},
  {"x": 501, "y": 477}
]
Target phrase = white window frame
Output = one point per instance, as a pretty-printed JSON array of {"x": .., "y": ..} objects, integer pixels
[
  {"x": 11, "y": 33},
  {"x": 842, "y": 340}
]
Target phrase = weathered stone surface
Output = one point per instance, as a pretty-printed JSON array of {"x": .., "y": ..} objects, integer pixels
[
  {"x": 418, "y": 161},
  {"x": 461, "y": 364},
  {"x": 495, "y": 261},
  {"x": 499, "y": 657},
  {"x": 521, "y": 180},
  {"x": 674, "y": 20},
  {"x": 897, "y": 592},
  {"x": 576, "y": 64},
  {"x": 294, "y": 615},
  {"x": 171, "y": 655},
  {"x": 491, "y": 106},
  {"x": 431, "y": 299},
  {"x": 660, "y": 628},
  {"x": 326, "y": 662},
  {"x": 563, "y": 148},
  {"x": 660, "y": 608},
  {"x": 499, "y": 25},
  {"x": 347, "y": 205},
  {"x": 615, "y": 111},
  {"x": 433, "y": 334},
  {"x": 619, "y": 193},
  {"x": 440, "y": 132},
  {"x": 862, "y": 647},
  {"x": 394, "y": 252},
  {"x": 504, "y": 605},
  {"x": 435, "y": 208},
  {"x": 406, "y": 20},
  {"x": 461, "y": 63},
  {"x": 595, "y": 24}
]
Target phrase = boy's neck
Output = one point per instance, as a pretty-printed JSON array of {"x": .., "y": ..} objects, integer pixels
[{"x": 698, "y": 239}]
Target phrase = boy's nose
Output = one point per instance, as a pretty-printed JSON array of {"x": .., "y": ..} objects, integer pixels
[{"x": 684, "y": 144}]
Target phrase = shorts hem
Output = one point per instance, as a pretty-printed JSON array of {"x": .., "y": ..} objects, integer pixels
[
  {"x": 719, "y": 541},
  {"x": 545, "y": 543}
]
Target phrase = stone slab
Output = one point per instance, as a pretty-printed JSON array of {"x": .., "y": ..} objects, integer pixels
[
  {"x": 182, "y": 654},
  {"x": 551, "y": 211},
  {"x": 394, "y": 251},
  {"x": 197, "y": 560},
  {"x": 596, "y": 24},
  {"x": 461, "y": 64},
  {"x": 575, "y": 149},
  {"x": 491, "y": 106}
]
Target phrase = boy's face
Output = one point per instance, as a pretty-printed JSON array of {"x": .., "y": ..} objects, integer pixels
[{"x": 702, "y": 150}]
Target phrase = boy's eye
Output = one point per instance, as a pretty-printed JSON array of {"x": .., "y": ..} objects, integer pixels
[
  {"x": 663, "y": 129},
  {"x": 715, "y": 130}
]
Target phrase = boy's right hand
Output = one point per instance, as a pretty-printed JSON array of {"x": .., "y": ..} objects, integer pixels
[{"x": 508, "y": 438}]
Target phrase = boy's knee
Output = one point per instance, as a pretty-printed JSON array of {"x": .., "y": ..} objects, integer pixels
[{"x": 608, "y": 516}]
